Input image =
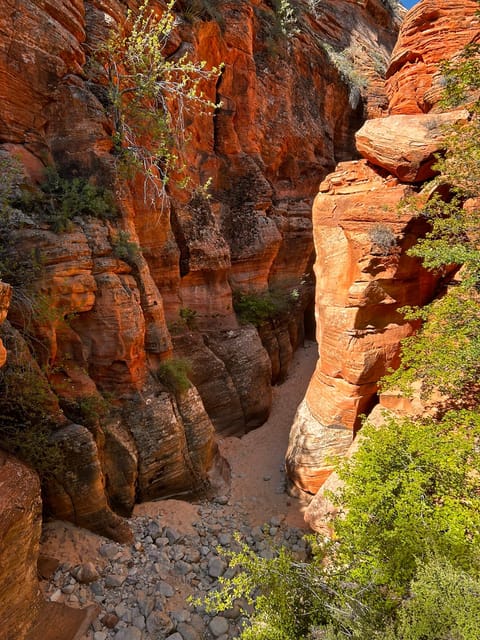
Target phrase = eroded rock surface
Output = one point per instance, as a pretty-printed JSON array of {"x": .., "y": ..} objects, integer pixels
[
  {"x": 288, "y": 112},
  {"x": 364, "y": 275},
  {"x": 434, "y": 30},
  {"x": 20, "y": 526}
]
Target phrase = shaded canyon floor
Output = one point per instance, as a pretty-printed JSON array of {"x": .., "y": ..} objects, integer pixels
[{"x": 141, "y": 590}]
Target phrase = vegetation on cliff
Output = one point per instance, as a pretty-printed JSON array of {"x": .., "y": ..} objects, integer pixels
[
  {"x": 403, "y": 561},
  {"x": 149, "y": 90}
]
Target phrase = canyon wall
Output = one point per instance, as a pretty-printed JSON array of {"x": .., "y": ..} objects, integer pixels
[
  {"x": 364, "y": 275},
  {"x": 100, "y": 306}
]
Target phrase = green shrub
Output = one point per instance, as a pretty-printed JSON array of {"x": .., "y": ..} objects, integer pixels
[
  {"x": 189, "y": 317},
  {"x": 148, "y": 95},
  {"x": 60, "y": 199},
  {"x": 443, "y": 604},
  {"x": 194, "y": 10},
  {"x": 257, "y": 308},
  {"x": 26, "y": 420},
  {"x": 124, "y": 249},
  {"x": 173, "y": 374}
]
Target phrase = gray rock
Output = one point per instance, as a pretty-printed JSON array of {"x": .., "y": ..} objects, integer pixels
[
  {"x": 224, "y": 539},
  {"x": 188, "y": 632},
  {"x": 109, "y": 550},
  {"x": 114, "y": 580},
  {"x": 172, "y": 535},
  {"x": 139, "y": 622},
  {"x": 175, "y": 636},
  {"x": 183, "y": 568},
  {"x": 85, "y": 573},
  {"x": 158, "y": 621},
  {"x": 165, "y": 589},
  {"x": 218, "y": 626},
  {"x": 181, "y": 615},
  {"x": 129, "y": 633},
  {"x": 216, "y": 567},
  {"x": 97, "y": 589}
]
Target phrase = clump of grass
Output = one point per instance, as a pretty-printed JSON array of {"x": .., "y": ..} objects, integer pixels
[
  {"x": 258, "y": 308},
  {"x": 173, "y": 374}
]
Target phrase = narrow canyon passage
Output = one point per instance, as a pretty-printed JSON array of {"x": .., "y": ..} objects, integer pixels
[
  {"x": 142, "y": 589},
  {"x": 257, "y": 459}
]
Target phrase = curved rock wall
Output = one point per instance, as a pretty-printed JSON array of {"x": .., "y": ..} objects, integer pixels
[
  {"x": 363, "y": 273},
  {"x": 20, "y": 527},
  {"x": 291, "y": 96}
]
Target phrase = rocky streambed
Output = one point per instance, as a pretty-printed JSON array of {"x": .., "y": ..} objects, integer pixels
[{"x": 141, "y": 590}]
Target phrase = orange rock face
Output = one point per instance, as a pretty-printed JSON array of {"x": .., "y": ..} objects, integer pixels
[
  {"x": 5, "y": 296},
  {"x": 405, "y": 145},
  {"x": 434, "y": 30},
  {"x": 363, "y": 276},
  {"x": 288, "y": 111},
  {"x": 20, "y": 528}
]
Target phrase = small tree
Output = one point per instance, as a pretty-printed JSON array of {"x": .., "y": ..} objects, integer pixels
[{"x": 149, "y": 93}]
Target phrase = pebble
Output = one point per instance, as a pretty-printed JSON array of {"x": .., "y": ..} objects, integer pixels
[
  {"x": 85, "y": 573},
  {"x": 218, "y": 626},
  {"x": 216, "y": 567},
  {"x": 137, "y": 586},
  {"x": 130, "y": 633}
]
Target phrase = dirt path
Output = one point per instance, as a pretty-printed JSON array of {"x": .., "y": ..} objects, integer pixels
[{"x": 257, "y": 459}]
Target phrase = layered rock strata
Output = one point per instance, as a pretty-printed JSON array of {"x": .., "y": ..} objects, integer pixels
[
  {"x": 111, "y": 313},
  {"x": 20, "y": 525},
  {"x": 433, "y": 31},
  {"x": 364, "y": 275}
]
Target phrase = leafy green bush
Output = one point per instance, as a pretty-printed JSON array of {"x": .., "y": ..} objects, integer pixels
[
  {"x": 148, "y": 96},
  {"x": 189, "y": 317},
  {"x": 410, "y": 494},
  {"x": 173, "y": 374},
  {"x": 257, "y": 308},
  {"x": 443, "y": 603},
  {"x": 124, "y": 249},
  {"x": 60, "y": 199}
]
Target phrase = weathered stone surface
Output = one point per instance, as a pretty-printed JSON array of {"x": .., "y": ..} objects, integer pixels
[
  {"x": 77, "y": 492},
  {"x": 405, "y": 145},
  {"x": 20, "y": 527},
  {"x": 213, "y": 381},
  {"x": 310, "y": 442},
  {"x": 363, "y": 277},
  {"x": 175, "y": 444},
  {"x": 250, "y": 369},
  {"x": 434, "y": 30},
  {"x": 287, "y": 113},
  {"x": 5, "y": 297}
]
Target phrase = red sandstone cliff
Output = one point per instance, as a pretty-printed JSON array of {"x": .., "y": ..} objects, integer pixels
[
  {"x": 291, "y": 99},
  {"x": 363, "y": 273}
]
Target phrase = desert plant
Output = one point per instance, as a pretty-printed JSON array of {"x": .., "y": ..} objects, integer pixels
[
  {"x": 173, "y": 374},
  {"x": 124, "y": 249},
  {"x": 149, "y": 94},
  {"x": 193, "y": 10},
  {"x": 59, "y": 199},
  {"x": 257, "y": 308},
  {"x": 343, "y": 61},
  {"x": 189, "y": 317},
  {"x": 26, "y": 413},
  {"x": 383, "y": 238}
]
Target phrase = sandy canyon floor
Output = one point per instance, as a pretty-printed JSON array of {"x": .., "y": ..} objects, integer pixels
[{"x": 140, "y": 591}]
